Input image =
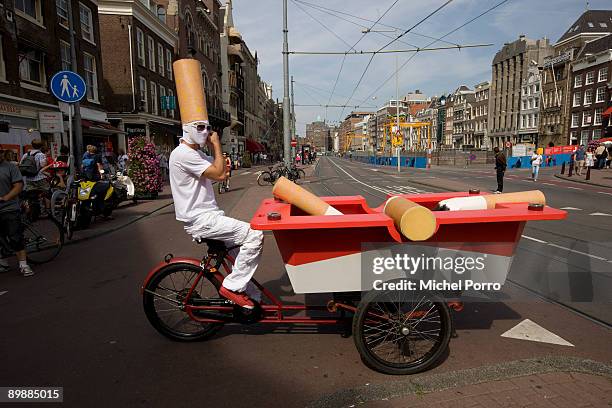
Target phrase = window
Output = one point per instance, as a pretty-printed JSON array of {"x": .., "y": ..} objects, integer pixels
[
  {"x": 91, "y": 77},
  {"x": 32, "y": 67},
  {"x": 591, "y": 24},
  {"x": 2, "y": 66},
  {"x": 588, "y": 97},
  {"x": 524, "y": 90},
  {"x": 601, "y": 94},
  {"x": 598, "y": 112},
  {"x": 575, "y": 119},
  {"x": 524, "y": 104},
  {"x": 573, "y": 135},
  {"x": 523, "y": 121},
  {"x": 162, "y": 100},
  {"x": 597, "y": 134},
  {"x": 578, "y": 81},
  {"x": 86, "y": 23},
  {"x": 535, "y": 119},
  {"x": 30, "y": 9},
  {"x": 590, "y": 78},
  {"x": 140, "y": 46},
  {"x": 584, "y": 137},
  {"x": 171, "y": 102},
  {"x": 587, "y": 118},
  {"x": 65, "y": 55},
  {"x": 536, "y": 102},
  {"x": 161, "y": 13},
  {"x": 577, "y": 98},
  {"x": 61, "y": 7},
  {"x": 142, "y": 85},
  {"x": 603, "y": 74},
  {"x": 151, "y": 53},
  {"x": 537, "y": 87},
  {"x": 603, "y": 25},
  {"x": 169, "y": 63},
  {"x": 160, "y": 59},
  {"x": 154, "y": 101}
]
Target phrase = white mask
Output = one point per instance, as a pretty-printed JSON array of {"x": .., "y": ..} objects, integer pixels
[{"x": 191, "y": 134}]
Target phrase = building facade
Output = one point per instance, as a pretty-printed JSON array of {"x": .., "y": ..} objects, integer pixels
[
  {"x": 480, "y": 113},
  {"x": 530, "y": 106},
  {"x": 463, "y": 99},
  {"x": 509, "y": 69},
  {"x": 34, "y": 45},
  {"x": 591, "y": 91},
  {"x": 138, "y": 49},
  {"x": 318, "y": 133}
]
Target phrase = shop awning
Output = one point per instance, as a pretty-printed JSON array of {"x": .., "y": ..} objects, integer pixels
[
  {"x": 254, "y": 147},
  {"x": 607, "y": 112},
  {"x": 100, "y": 128}
]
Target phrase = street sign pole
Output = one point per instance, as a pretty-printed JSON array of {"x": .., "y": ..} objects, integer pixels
[
  {"x": 70, "y": 143},
  {"x": 76, "y": 139},
  {"x": 286, "y": 107}
]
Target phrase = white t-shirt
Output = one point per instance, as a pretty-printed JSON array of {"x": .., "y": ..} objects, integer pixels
[
  {"x": 193, "y": 195},
  {"x": 537, "y": 159}
]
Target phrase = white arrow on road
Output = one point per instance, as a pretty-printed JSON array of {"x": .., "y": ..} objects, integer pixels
[
  {"x": 571, "y": 208},
  {"x": 602, "y": 214}
]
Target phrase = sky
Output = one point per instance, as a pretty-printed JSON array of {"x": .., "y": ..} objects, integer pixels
[{"x": 312, "y": 28}]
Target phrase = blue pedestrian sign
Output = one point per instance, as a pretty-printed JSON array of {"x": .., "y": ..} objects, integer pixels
[{"x": 68, "y": 86}]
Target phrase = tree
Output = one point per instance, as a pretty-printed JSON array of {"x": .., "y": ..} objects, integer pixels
[{"x": 144, "y": 167}]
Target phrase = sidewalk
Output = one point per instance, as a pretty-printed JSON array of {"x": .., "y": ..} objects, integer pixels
[
  {"x": 126, "y": 214},
  {"x": 600, "y": 178},
  {"x": 546, "y": 382}
]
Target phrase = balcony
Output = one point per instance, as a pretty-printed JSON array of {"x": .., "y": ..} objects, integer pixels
[
  {"x": 235, "y": 51},
  {"x": 234, "y": 36}
]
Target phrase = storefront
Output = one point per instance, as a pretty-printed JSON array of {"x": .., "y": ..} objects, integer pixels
[{"x": 164, "y": 136}]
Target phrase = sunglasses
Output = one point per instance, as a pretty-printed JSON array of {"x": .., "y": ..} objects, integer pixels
[{"x": 202, "y": 128}]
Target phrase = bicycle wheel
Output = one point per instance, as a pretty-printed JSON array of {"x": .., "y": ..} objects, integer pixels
[
  {"x": 401, "y": 332},
  {"x": 264, "y": 178},
  {"x": 221, "y": 188},
  {"x": 301, "y": 174},
  {"x": 44, "y": 239},
  {"x": 164, "y": 294}
]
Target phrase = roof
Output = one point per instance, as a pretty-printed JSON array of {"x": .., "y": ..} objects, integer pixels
[
  {"x": 597, "y": 46},
  {"x": 414, "y": 108},
  {"x": 590, "y": 22}
]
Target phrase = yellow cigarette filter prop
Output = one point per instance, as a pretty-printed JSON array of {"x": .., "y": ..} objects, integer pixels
[
  {"x": 416, "y": 222},
  {"x": 190, "y": 90},
  {"x": 485, "y": 202},
  {"x": 301, "y": 198}
]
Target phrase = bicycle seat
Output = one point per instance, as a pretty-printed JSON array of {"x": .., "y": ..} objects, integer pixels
[{"x": 211, "y": 243}]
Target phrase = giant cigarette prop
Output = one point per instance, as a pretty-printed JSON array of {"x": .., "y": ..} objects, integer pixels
[
  {"x": 302, "y": 198},
  {"x": 416, "y": 222},
  {"x": 487, "y": 202},
  {"x": 190, "y": 90}
]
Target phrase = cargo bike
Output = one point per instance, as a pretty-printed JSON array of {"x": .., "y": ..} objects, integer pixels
[{"x": 394, "y": 334}]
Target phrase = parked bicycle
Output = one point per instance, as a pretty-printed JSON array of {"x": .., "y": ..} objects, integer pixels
[
  {"x": 293, "y": 173},
  {"x": 44, "y": 238}
]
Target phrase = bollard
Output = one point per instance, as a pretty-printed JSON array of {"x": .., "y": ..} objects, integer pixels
[
  {"x": 571, "y": 167},
  {"x": 563, "y": 168},
  {"x": 588, "y": 176}
]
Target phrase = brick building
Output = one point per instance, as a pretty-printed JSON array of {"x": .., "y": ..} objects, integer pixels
[
  {"x": 509, "y": 68},
  {"x": 138, "y": 49},
  {"x": 591, "y": 91},
  {"x": 318, "y": 133},
  {"x": 530, "y": 106},
  {"x": 463, "y": 99},
  {"x": 480, "y": 112},
  {"x": 34, "y": 45},
  {"x": 557, "y": 87},
  {"x": 347, "y": 128}
]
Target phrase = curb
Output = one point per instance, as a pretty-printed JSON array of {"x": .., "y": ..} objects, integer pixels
[
  {"x": 559, "y": 176},
  {"x": 461, "y": 378},
  {"x": 117, "y": 228}
]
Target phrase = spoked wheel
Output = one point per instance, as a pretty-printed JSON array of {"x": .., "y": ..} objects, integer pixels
[
  {"x": 302, "y": 174},
  {"x": 166, "y": 292},
  {"x": 401, "y": 332},
  {"x": 44, "y": 239},
  {"x": 265, "y": 178}
]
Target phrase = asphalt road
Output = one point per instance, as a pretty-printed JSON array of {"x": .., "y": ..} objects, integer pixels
[{"x": 79, "y": 323}]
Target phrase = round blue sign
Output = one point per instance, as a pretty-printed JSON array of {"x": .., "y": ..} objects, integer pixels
[{"x": 68, "y": 86}]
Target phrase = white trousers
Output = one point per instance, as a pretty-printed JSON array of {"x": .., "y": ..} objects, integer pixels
[{"x": 232, "y": 232}]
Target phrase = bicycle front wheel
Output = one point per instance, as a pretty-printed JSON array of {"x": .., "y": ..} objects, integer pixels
[
  {"x": 44, "y": 239},
  {"x": 264, "y": 178}
]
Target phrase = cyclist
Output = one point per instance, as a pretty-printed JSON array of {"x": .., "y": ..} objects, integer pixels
[
  {"x": 11, "y": 184},
  {"x": 191, "y": 172},
  {"x": 228, "y": 166}
]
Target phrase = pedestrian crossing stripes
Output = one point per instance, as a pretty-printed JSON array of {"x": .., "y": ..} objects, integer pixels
[{"x": 402, "y": 190}]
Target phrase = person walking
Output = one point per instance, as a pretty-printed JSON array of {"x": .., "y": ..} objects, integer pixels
[
  {"x": 599, "y": 155},
  {"x": 589, "y": 158},
  {"x": 500, "y": 169},
  {"x": 536, "y": 162},
  {"x": 579, "y": 161},
  {"x": 122, "y": 161}
]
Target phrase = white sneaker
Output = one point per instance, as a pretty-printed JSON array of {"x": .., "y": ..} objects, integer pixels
[
  {"x": 497, "y": 192},
  {"x": 26, "y": 270}
]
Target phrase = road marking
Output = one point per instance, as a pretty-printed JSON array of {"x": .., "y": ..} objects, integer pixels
[
  {"x": 374, "y": 169},
  {"x": 571, "y": 208},
  {"x": 3, "y": 292},
  {"x": 575, "y": 188},
  {"x": 549, "y": 184},
  {"x": 528, "y": 330},
  {"x": 534, "y": 239},
  {"x": 380, "y": 190},
  {"x": 246, "y": 172},
  {"x": 603, "y": 192},
  {"x": 566, "y": 249},
  {"x": 604, "y": 214}
]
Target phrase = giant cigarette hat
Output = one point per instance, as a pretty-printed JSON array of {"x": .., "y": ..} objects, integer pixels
[
  {"x": 190, "y": 90},
  {"x": 416, "y": 222},
  {"x": 302, "y": 198}
]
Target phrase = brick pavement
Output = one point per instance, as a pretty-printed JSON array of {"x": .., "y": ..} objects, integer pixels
[
  {"x": 602, "y": 178},
  {"x": 557, "y": 389}
]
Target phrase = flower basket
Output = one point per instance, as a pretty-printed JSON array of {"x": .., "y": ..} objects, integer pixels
[{"x": 144, "y": 169}]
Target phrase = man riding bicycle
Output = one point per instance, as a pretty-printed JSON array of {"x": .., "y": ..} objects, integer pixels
[
  {"x": 191, "y": 172},
  {"x": 11, "y": 185}
]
